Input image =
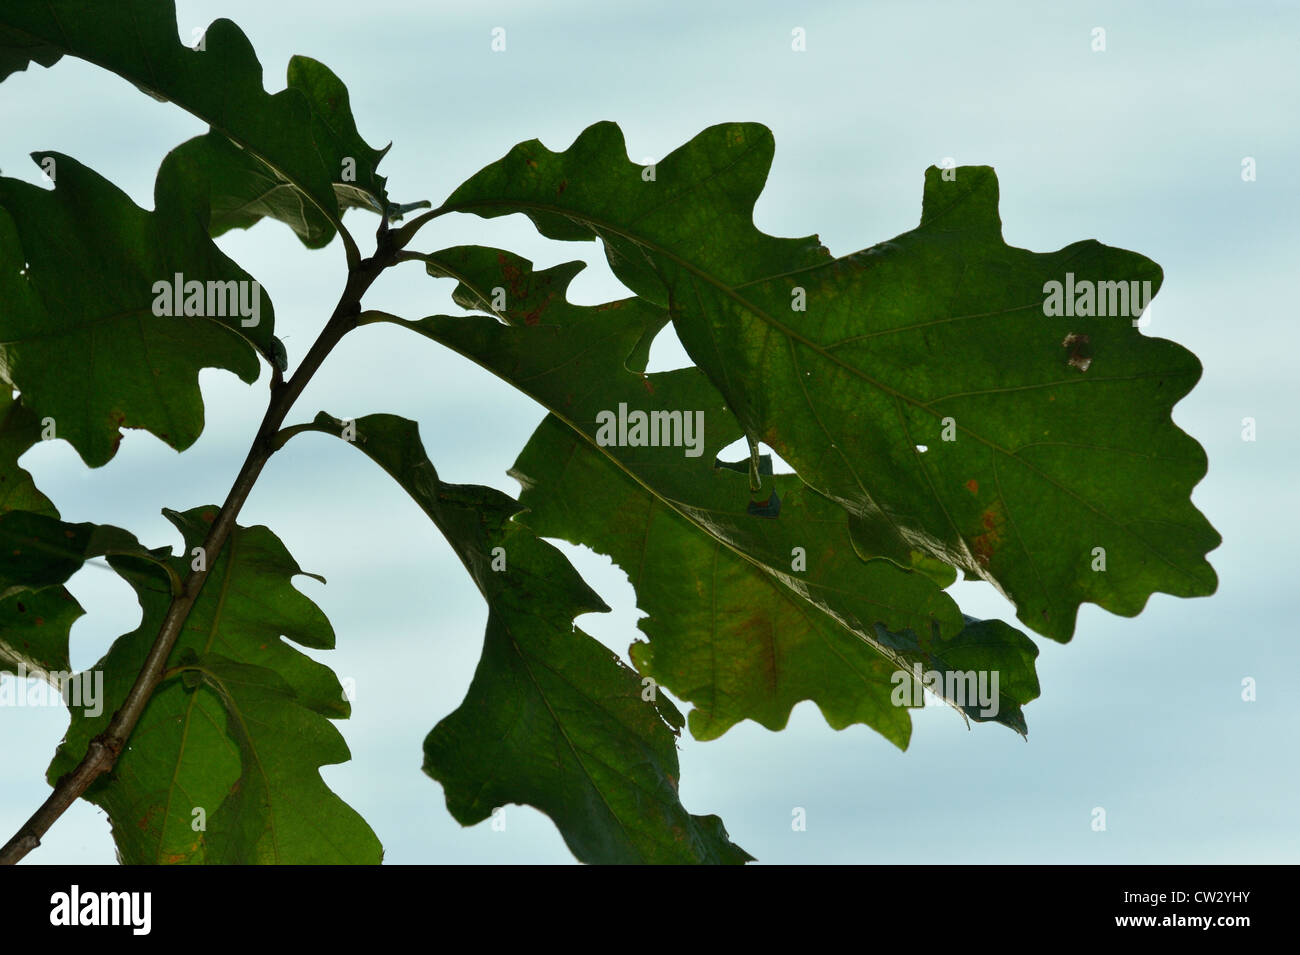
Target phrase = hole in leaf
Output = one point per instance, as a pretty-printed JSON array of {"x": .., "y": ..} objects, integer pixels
[
  {"x": 667, "y": 353},
  {"x": 738, "y": 452}
]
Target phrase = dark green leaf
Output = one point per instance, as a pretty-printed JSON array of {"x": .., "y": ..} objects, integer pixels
[
  {"x": 34, "y": 628},
  {"x": 19, "y": 430},
  {"x": 38, "y": 554},
  {"x": 304, "y": 134},
  {"x": 1054, "y": 453},
  {"x": 334, "y": 132},
  {"x": 38, "y": 551},
  {"x": 80, "y": 268},
  {"x": 552, "y": 718},
  {"x": 684, "y": 531},
  {"x": 238, "y": 190},
  {"x": 34, "y": 625}
]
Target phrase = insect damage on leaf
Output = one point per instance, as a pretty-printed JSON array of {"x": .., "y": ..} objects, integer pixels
[{"x": 1080, "y": 351}]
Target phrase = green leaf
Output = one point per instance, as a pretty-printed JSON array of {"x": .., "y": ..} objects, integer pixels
[
  {"x": 303, "y": 135},
  {"x": 723, "y": 634},
  {"x": 1055, "y": 453},
  {"x": 34, "y": 625},
  {"x": 834, "y": 631},
  {"x": 17, "y": 50},
  {"x": 552, "y": 718},
  {"x": 34, "y": 629},
  {"x": 245, "y": 743},
  {"x": 335, "y": 132},
  {"x": 238, "y": 190},
  {"x": 38, "y": 553},
  {"x": 19, "y": 431},
  {"x": 79, "y": 336},
  {"x": 732, "y": 636},
  {"x": 280, "y": 810}
]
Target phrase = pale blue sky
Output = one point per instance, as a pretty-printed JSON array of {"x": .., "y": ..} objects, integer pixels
[{"x": 1139, "y": 146}]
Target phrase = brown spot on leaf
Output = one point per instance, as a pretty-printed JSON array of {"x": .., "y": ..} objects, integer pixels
[
  {"x": 973, "y": 486},
  {"x": 985, "y": 544},
  {"x": 564, "y": 184},
  {"x": 513, "y": 276},
  {"x": 649, "y": 385}
]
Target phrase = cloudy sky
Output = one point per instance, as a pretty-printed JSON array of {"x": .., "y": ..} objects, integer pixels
[{"x": 1140, "y": 146}]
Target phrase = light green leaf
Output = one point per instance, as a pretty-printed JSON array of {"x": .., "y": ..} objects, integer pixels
[
  {"x": 280, "y": 810},
  {"x": 240, "y": 747}
]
